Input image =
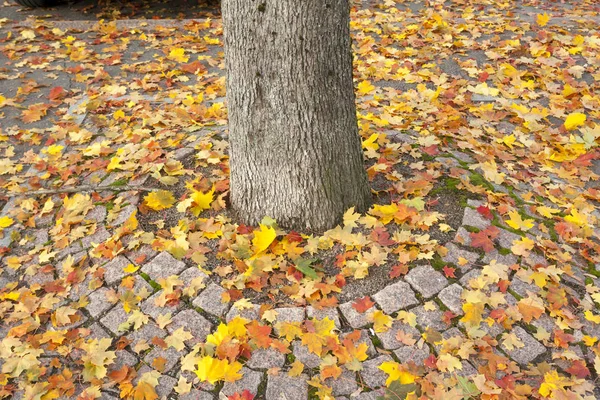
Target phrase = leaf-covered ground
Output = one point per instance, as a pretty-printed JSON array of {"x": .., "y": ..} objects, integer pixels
[{"x": 475, "y": 274}]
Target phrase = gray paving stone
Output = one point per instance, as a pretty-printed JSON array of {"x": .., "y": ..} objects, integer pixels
[
  {"x": 97, "y": 237},
  {"x": 466, "y": 278},
  {"x": 289, "y": 314},
  {"x": 196, "y": 394},
  {"x": 389, "y": 339},
  {"x": 114, "y": 318},
  {"x": 354, "y": 318},
  {"x": 474, "y": 219},
  {"x": 451, "y": 297},
  {"x": 371, "y": 374},
  {"x": 529, "y": 352},
  {"x": 430, "y": 318},
  {"x": 266, "y": 359},
  {"x": 462, "y": 237},
  {"x": 475, "y": 203},
  {"x": 508, "y": 259},
  {"x": 505, "y": 238},
  {"x": 456, "y": 254},
  {"x": 97, "y": 214},
  {"x": 330, "y": 312},
  {"x": 171, "y": 356},
  {"x": 408, "y": 354},
  {"x": 141, "y": 254},
  {"x": 345, "y": 384},
  {"x": 284, "y": 387},
  {"x": 426, "y": 280},
  {"x": 123, "y": 216},
  {"x": 193, "y": 322},
  {"x": 147, "y": 332},
  {"x": 395, "y": 297},
  {"x": 97, "y": 331},
  {"x": 162, "y": 266},
  {"x": 521, "y": 287},
  {"x": 250, "y": 381},
  {"x": 114, "y": 270},
  {"x": 210, "y": 300},
  {"x": 98, "y": 302},
  {"x": 246, "y": 313},
  {"x": 534, "y": 259},
  {"x": 150, "y": 308},
  {"x": 123, "y": 357},
  {"x": 310, "y": 360}
]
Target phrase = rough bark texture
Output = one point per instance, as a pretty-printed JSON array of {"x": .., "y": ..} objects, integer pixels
[{"x": 295, "y": 149}]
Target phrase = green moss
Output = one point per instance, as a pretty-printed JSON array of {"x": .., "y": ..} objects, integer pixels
[
  {"x": 147, "y": 278},
  {"x": 119, "y": 183},
  {"x": 262, "y": 7},
  {"x": 437, "y": 263},
  {"x": 479, "y": 180},
  {"x": 504, "y": 252}
]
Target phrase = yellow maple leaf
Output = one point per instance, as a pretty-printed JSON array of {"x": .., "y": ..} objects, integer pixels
[
  {"x": 212, "y": 370},
  {"x": 296, "y": 370},
  {"x": 449, "y": 363},
  {"x": 130, "y": 269},
  {"x": 542, "y": 19},
  {"x": 517, "y": 222},
  {"x": 396, "y": 373},
  {"x": 5, "y": 222},
  {"x": 371, "y": 142},
  {"x": 263, "y": 238},
  {"x": 201, "y": 201},
  {"x": 177, "y": 339},
  {"x": 554, "y": 383},
  {"x": 159, "y": 200},
  {"x": 178, "y": 54},
  {"x": 574, "y": 120},
  {"x": 522, "y": 247},
  {"x": 381, "y": 321},
  {"x": 365, "y": 87}
]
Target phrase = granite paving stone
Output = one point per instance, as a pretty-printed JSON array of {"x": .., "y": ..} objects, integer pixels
[
  {"x": 301, "y": 352},
  {"x": 417, "y": 355},
  {"x": 98, "y": 303},
  {"x": 211, "y": 300},
  {"x": 371, "y": 374},
  {"x": 505, "y": 238},
  {"x": 113, "y": 270},
  {"x": 463, "y": 259},
  {"x": 430, "y": 318},
  {"x": 389, "y": 338},
  {"x": 354, "y": 318},
  {"x": 508, "y": 259},
  {"x": 451, "y": 297},
  {"x": 162, "y": 266},
  {"x": 426, "y": 280},
  {"x": 250, "y": 381},
  {"x": 247, "y": 313},
  {"x": 395, "y": 297},
  {"x": 284, "y": 387},
  {"x": 196, "y": 394},
  {"x": 345, "y": 384},
  {"x": 97, "y": 237},
  {"x": 193, "y": 322},
  {"x": 266, "y": 359},
  {"x": 147, "y": 332},
  {"x": 114, "y": 318},
  {"x": 320, "y": 314},
  {"x": 123, "y": 357},
  {"x": 150, "y": 308},
  {"x": 462, "y": 237},
  {"x": 165, "y": 385},
  {"x": 474, "y": 219},
  {"x": 169, "y": 354},
  {"x": 531, "y": 348}
]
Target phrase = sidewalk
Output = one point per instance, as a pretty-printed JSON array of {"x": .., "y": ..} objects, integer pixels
[{"x": 475, "y": 273}]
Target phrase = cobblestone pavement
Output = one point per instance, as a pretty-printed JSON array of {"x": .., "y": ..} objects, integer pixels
[{"x": 471, "y": 276}]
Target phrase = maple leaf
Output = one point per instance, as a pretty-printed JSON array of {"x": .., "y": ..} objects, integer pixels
[
  {"x": 574, "y": 121},
  {"x": 483, "y": 239},
  {"x": 363, "y": 304},
  {"x": 517, "y": 222},
  {"x": 542, "y": 19},
  {"x": 396, "y": 372},
  {"x": 202, "y": 201},
  {"x": 34, "y": 112},
  {"x": 5, "y": 222},
  {"x": 263, "y": 238},
  {"x": 159, "y": 200},
  {"x": 178, "y": 54},
  {"x": 96, "y": 358},
  {"x": 485, "y": 212},
  {"x": 365, "y": 87},
  {"x": 245, "y": 395},
  {"x": 296, "y": 368},
  {"x": 449, "y": 272},
  {"x": 177, "y": 339},
  {"x": 381, "y": 321}
]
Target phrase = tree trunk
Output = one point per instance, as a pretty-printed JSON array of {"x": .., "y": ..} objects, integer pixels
[{"x": 295, "y": 151}]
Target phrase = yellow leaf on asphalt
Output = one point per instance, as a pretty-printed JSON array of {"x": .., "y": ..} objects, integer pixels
[
  {"x": 542, "y": 19},
  {"x": 365, "y": 87}
]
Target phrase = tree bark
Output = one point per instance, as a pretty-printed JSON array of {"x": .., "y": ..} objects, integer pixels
[{"x": 295, "y": 151}]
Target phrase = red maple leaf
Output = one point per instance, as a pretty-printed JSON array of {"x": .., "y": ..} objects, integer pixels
[
  {"x": 398, "y": 270},
  {"x": 260, "y": 334},
  {"x": 363, "y": 304},
  {"x": 578, "y": 369},
  {"x": 245, "y": 395},
  {"x": 449, "y": 271},
  {"x": 484, "y": 239},
  {"x": 485, "y": 212}
]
